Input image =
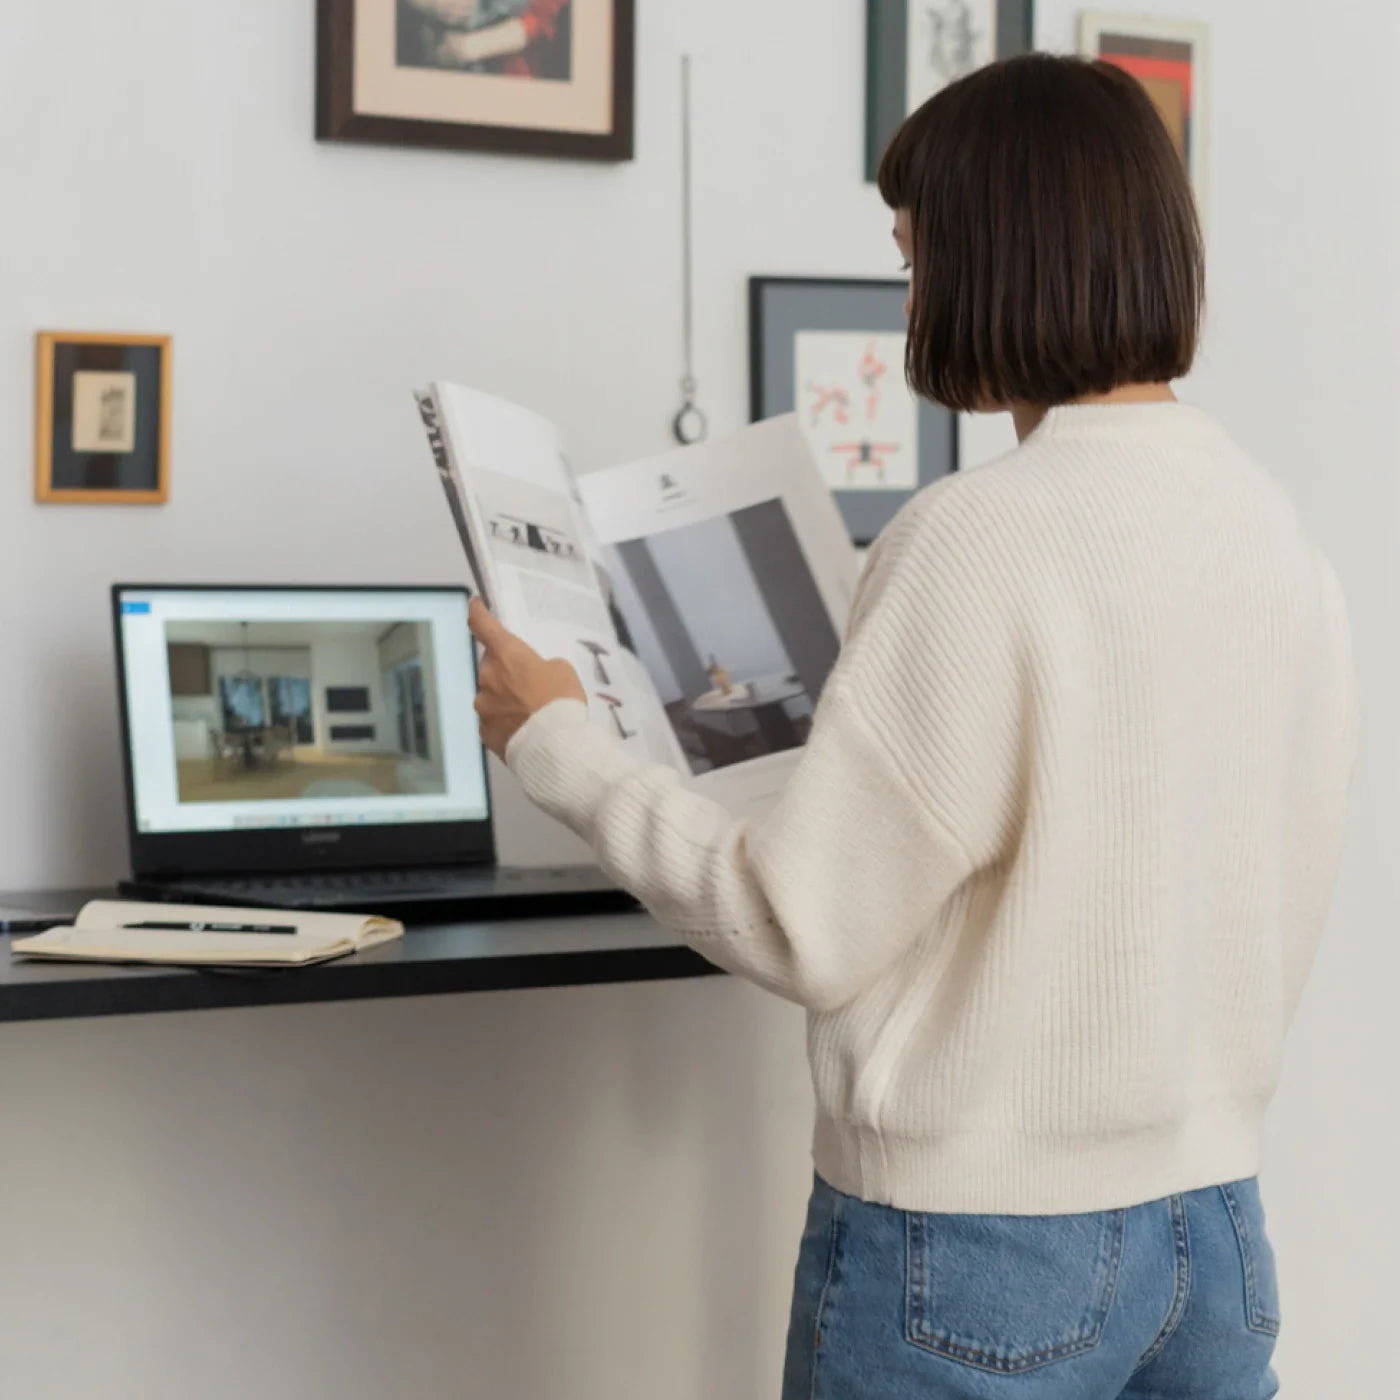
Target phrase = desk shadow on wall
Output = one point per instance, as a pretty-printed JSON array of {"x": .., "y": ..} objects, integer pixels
[
  {"x": 733, "y": 1089},
  {"x": 663, "y": 1186},
  {"x": 633, "y": 1167},
  {"x": 591, "y": 1192}
]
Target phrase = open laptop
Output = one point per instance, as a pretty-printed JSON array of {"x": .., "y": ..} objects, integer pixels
[{"x": 316, "y": 748}]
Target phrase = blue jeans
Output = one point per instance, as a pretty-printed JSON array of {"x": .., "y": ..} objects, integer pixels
[{"x": 1164, "y": 1301}]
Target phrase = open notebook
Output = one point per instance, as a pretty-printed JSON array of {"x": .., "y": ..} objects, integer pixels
[{"x": 195, "y": 935}]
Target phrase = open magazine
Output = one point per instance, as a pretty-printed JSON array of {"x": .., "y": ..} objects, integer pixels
[{"x": 701, "y": 594}]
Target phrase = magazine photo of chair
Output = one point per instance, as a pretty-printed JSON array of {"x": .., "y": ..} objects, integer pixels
[
  {"x": 264, "y": 711},
  {"x": 726, "y": 617}
]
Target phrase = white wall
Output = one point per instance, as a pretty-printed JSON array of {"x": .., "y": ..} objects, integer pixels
[
  {"x": 353, "y": 663},
  {"x": 587, "y": 1192}
]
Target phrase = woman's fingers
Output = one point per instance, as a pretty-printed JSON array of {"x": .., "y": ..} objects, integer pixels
[{"x": 486, "y": 627}]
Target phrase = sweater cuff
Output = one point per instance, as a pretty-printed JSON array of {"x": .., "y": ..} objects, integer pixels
[{"x": 566, "y": 764}]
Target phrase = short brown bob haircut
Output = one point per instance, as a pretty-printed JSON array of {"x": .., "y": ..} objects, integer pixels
[{"x": 1057, "y": 252}]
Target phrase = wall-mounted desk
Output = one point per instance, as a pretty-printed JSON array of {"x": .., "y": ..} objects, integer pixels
[{"x": 432, "y": 958}]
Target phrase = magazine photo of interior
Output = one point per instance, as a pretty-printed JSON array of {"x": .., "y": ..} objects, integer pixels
[
  {"x": 726, "y": 617},
  {"x": 264, "y": 711}
]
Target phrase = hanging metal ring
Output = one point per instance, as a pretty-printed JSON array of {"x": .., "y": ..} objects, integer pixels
[{"x": 690, "y": 425}]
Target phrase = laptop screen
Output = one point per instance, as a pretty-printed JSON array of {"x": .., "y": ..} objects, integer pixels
[{"x": 249, "y": 709}]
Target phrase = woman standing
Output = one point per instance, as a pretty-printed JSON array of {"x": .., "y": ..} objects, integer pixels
[{"x": 1053, "y": 867}]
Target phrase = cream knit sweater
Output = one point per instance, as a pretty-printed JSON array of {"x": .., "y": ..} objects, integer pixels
[{"x": 1052, "y": 869}]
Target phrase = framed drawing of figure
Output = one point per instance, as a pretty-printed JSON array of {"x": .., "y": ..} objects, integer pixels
[
  {"x": 916, "y": 47},
  {"x": 102, "y": 419},
  {"x": 832, "y": 349},
  {"x": 525, "y": 77}
]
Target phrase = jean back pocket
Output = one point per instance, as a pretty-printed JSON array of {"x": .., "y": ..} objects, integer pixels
[
  {"x": 1011, "y": 1293},
  {"x": 1256, "y": 1255}
]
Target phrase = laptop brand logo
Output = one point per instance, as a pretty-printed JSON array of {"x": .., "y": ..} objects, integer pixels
[{"x": 319, "y": 838}]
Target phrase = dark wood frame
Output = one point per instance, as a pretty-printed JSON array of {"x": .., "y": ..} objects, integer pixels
[
  {"x": 886, "y": 40},
  {"x": 337, "y": 120},
  {"x": 928, "y": 412}
]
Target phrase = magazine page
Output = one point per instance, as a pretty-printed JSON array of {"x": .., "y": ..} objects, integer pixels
[
  {"x": 730, "y": 577},
  {"x": 516, "y": 506}
]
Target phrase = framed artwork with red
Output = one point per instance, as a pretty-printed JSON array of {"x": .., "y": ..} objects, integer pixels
[{"x": 1170, "y": 58}]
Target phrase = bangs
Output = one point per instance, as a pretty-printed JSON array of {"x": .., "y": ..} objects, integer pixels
[{"x": 900, "y": 168}]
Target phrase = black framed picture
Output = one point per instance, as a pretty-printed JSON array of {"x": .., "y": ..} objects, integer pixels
[
  {"x": 832, "y": 350},
  {"x": 916, "y": 47},
  {"x": 102, "y": 418},
  {"x": 524, "y": 77}
]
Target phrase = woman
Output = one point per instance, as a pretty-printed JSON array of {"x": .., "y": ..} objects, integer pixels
[{"x": 1051, "y": 872}]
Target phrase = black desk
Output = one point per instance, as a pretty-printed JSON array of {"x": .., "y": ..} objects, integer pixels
[{"x": 433, "y": 958}]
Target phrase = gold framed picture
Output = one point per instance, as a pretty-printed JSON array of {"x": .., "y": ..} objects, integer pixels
[{"x": 102, "y": 420}]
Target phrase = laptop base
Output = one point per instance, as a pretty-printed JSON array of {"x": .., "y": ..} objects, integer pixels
[{"x": 430, "y": 895}]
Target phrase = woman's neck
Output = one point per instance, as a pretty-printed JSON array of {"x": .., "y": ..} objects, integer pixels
[{"x": 1027, "y": 416}]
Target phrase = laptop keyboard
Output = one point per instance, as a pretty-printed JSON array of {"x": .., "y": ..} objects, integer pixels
[
  {"x": 335, "y": 886},
  {"x": 349, "y": 888}
]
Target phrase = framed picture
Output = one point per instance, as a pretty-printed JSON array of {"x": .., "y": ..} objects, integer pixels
[
  {"x": 102, "y": 422},
  {"x": 526, "y": 77},
  {"x": 832, "y": 350},
  {"x": 914, "y": 48},
  {"x": 1169, "y": 57}
]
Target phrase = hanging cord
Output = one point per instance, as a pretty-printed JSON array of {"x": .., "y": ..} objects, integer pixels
[{"x": 689, "y": 425}]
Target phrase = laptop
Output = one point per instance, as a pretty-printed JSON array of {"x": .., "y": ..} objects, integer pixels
[{"x": 316, "y": 748}]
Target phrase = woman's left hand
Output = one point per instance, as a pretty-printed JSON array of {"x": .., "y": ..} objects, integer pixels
[{"x": 515, "y": 680}]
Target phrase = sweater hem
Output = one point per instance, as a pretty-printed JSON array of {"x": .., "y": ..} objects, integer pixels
[{"x": 1018, "y": 1174}]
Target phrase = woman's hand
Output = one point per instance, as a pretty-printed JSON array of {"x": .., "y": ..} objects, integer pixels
[{"x": 515, "y": 680}]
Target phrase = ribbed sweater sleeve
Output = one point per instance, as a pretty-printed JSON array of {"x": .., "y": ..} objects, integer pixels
[{"x": 873, "y": 832}]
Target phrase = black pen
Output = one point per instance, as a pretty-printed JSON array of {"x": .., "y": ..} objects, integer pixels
[
  {"x": 13, "y": 922},
  {"x": 213, "y": 927}
]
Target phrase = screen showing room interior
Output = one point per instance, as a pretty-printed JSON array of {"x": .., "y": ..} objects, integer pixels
[{"x": 300, "y": 707}]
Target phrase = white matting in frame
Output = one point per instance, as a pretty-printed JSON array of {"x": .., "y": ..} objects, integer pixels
[
  {"x": 583, "y": 104},
  {"x": 856, "y": 412},
  {"x": 948, "y": 39}
]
